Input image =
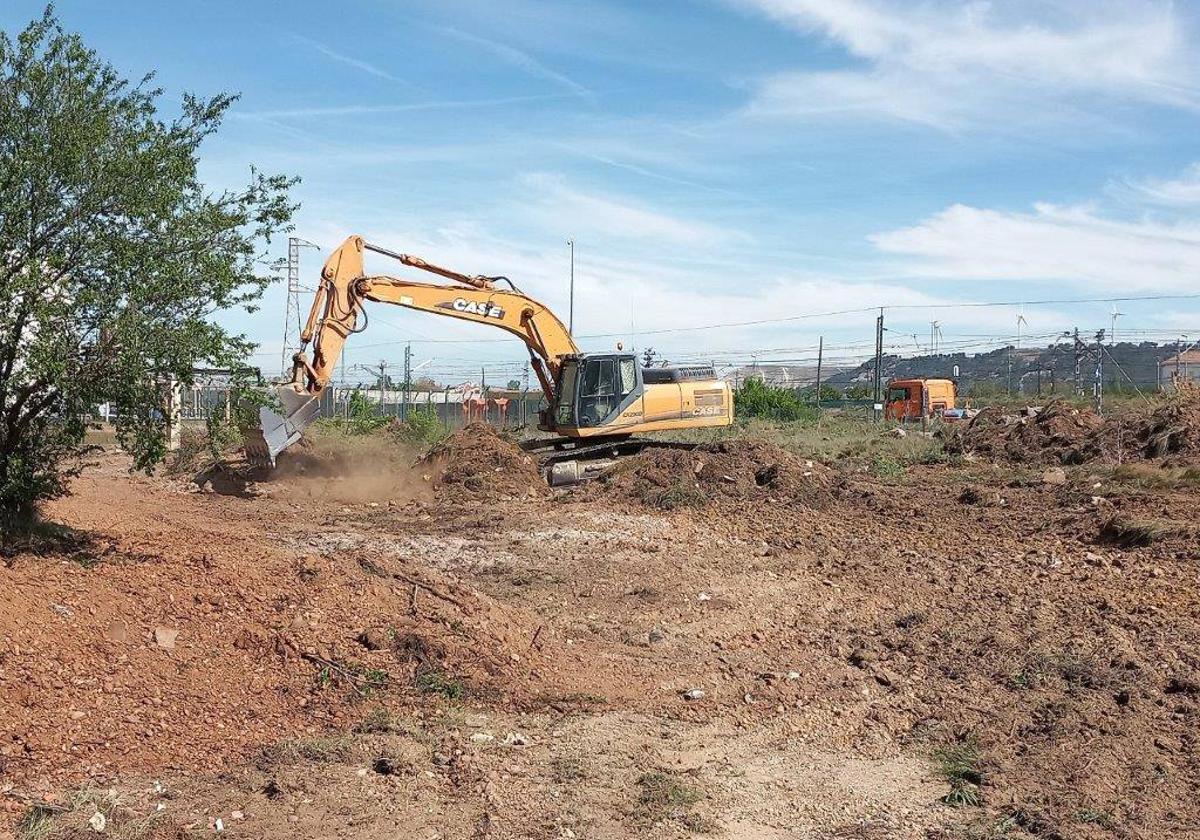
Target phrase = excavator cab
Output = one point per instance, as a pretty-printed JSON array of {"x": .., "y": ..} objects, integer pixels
[{"x": 594, "y": 389}]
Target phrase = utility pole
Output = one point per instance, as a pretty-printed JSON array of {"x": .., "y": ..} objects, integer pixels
[
  {"x": 1078, "y": 364},
  {"x": 820, "y": 358},
  {"x": 1098, "y": 387},
  {"x": 1178, "y": 357},
  {"x": 382, "y": 382},
  {"x": 571, "y": 311},
  {"x": 291, "y": 345},
  {"x": 877, "y": 403},
  {"x": 407, "y": 379}
]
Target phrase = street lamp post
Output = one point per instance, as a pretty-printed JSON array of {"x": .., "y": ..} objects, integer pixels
[{"x": 571, "y": 309}]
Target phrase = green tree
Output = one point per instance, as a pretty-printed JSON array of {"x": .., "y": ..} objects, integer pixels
[
  {"x": 828, "y": 393},
  {"x": 755, "y": 398},
  {"x": 114, "y": 257}
]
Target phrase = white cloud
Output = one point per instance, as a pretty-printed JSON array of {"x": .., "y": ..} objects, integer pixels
[
  {"x": 597, "y": 215},
  {"x": 1182, "y": 190},
  {"x": 371, "y": 110},
  {"x": 357, "y": 63},
  {"x": 521, "y": 59},
  {"x": 1054, "y": 244},
  {"x": 955, "y": 64}
]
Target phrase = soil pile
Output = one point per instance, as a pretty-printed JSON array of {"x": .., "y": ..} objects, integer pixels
[
  {"x": 737, "y": 470},
  {"x": 1061, "y": 434},
  {"x": 1171, "y": 431},
  {"x": 1057, "y": 433},
  {"x": 476, "y": 459}
]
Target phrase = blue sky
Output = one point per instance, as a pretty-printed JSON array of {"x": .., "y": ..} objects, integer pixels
[{"x": 716, "y": 161}]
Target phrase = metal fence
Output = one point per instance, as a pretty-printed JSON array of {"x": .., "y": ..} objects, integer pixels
[{"x": 455, "y": 408}]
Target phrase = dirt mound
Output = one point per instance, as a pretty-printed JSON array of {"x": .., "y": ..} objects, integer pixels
[
  {"x": 1062, "y": 434},
  {"x": 1057, "y": 433},
  {"x": 1169, "y": 431},
  {"x": 476, "y": 459},
  {"x": 738, "y": 470}
]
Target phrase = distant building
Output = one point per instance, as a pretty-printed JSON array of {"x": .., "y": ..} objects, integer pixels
[{"x": 1181, "y": 366}]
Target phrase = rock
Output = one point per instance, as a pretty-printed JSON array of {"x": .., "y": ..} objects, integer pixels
[
  {"x": 237, "y": 815},
  {"x": 116, "y": 631},
  {"x": 860, "y": 656},
  {"x": 516, "y": 739},
  {"x": 656, "y": 635},
  {"x": 375, "y": 638},
  {"x": 482, "y": 737},
  {"x": 78, "y": 715},
  {"x": 897, "y": 433},
  {"x": 98, "y": 822},
  {"x": 704, "y": 596},
  {"x": 1054, "y": 475},
  {"x": 693, "y": 694},
  {"x": 793, "y": 675},
  {"x": 164, "y": 637},
  {"x": 884, "y": 677}
]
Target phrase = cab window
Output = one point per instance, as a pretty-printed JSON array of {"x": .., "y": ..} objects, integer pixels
[{"x": 598, "y": 393}]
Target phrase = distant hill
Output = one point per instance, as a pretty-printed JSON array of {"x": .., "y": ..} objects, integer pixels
[{"x": 1123, "y": 362}]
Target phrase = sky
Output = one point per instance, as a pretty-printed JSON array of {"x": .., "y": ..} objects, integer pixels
[{"x": 731, "y": 171}]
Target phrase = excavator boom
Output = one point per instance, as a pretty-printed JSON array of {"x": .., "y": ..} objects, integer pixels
[{"x": 337, "y": 312}]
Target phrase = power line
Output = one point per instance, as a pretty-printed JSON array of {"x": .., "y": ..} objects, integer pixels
[{"x": 812, "y": 315}]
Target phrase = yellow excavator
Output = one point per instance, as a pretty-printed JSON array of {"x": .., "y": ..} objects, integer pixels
[{"x": 595, "y": 402}]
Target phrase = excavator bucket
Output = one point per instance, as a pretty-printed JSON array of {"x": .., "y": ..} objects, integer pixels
[{"x": 276, "y": 433}]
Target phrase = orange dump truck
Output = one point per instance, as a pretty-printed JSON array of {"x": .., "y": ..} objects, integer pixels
[{"x": 913, "y": 399}]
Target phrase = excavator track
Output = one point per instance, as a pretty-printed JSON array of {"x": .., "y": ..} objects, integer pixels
[{"x": 576, "y": 464}]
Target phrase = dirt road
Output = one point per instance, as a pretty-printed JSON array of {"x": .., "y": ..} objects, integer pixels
[{"x": 861, "y": 655}]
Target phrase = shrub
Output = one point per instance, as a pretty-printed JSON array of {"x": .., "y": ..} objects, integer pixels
[
  {"x": 757, "y": 399},
  {"x": 421, "y": 427}
]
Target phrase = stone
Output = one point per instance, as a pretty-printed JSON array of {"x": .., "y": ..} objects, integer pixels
[
  {"x": 164, "y": 637},
  {"x": 375, "y": 638},
  {"x": 1054, "y": 475},
  {"x": 693, "y": 694},
  {"x": 656, "y": 635}
]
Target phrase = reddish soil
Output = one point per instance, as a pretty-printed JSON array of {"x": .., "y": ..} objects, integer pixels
[
  {"x": 459, "y": 667},
  {"x": 1055, "y": 434},
  {"x": 1167, "y": 431},
  {"x": 732, "y": 470},
  {"x": 477, "y": 460}
]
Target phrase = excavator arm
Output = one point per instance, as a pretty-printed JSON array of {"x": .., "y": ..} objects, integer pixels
[{"x": 337, "y": 313}]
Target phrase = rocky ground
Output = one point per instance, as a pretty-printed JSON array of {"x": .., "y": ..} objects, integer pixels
[{"x": 731, "y": 641}]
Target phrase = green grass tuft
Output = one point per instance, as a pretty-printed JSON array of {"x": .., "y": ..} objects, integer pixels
[
  {"x": 438, "y": 682},
  {"x": 958, "y": 765}
]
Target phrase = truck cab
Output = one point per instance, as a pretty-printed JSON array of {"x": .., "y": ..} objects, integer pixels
[{"x": 915, "y": 399}]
